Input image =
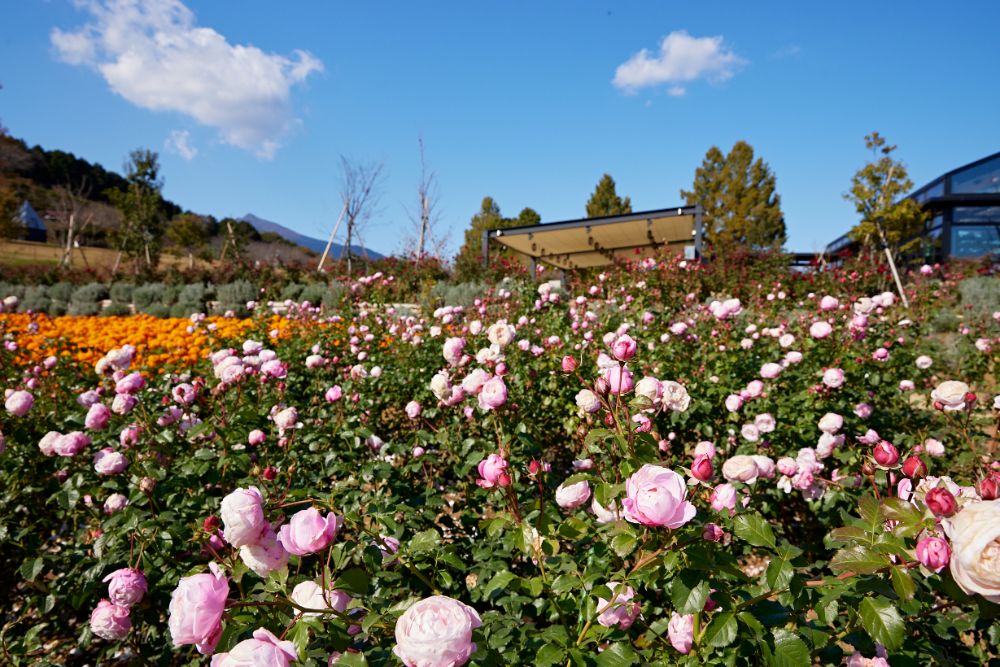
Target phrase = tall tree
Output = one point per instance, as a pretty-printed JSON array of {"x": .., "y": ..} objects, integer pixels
[
  {"x": 740, "y": 206},
  {"x": 427, "y": 196},
  {"x": 189, "y": 232},
  {"x": 877, "y": 192},
  {"x": 360, "y": 189},
  {"x": 141, "y": 229},
  {"x": 605, "y": 200}
]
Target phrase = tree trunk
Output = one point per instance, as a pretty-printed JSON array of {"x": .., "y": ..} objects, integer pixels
[
  {"x": 67, "y": 258},
  {"x": 350, "y": 229}
]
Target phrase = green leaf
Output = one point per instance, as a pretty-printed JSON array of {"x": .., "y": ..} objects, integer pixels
[
  {"x": 858, "y": 559},
  {"x": 550, "y": 654},
  {"x": 902, "y": 583},
  {"x": 499, "y": 580},
  {"x": 624, "y": 543},
  {"x": 689, "y": 592},
  {"x": 721, "y": 631},
  {"x": 353, "y": 581},
  {"x": 754, "y": 529},
  {"x": 882, "y": 622},
  {"x": 349, "y": 659},
  {"x": 32, "y": 568},
  {"x": 789, "y": 650},
  {"x": 779, "y": 573},
  {"x": 618, "y": 654},
  {"x": 424, "y": 541}
]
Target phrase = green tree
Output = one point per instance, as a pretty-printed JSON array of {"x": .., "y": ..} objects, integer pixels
[
  {"x": 140, "y": 235},
  {"x": 469, "y": 260},
  {"x": 739, "y": 204},
  {"x": 605, "y": 200},
  {"x": 877, "y": 192},
  {"x": 188, "y": 232}
]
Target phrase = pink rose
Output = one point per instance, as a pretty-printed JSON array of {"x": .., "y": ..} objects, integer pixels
[
  {"x": 820, "y": 330},
  {"x": 933, "y": 553},
  {"x": 243, "y": 516},
  {"x": 770, "y": 371},
  {"x": 680, "y": 630},
  {"x": 184, "y": 393},
  {"x": 71, "y": 444},
  {"x": 572, "y": 496},
  {"x": 492, "y": 470},
  {"x": 452, "y": 350},
  {"x": 620, "y": 611},
  {"x": 130, "y": 384},
  {"x": 263, "y": 650},
  {"x": 623, "y": 348},
  {"x": 308, "y": 532},
  {"x": 333, "y": 394},
  {"x": 19, "y": 402},
  {"x": 833, "y": 378},
  {"x": 436, "y": 631},
  {"x": 266, "y": 554},
  {"x": 286, "y": 419},
  {"x": 310, "y": 595},
  {"x": 493, "y": 394},
  {"x": 619, "y": 380},
  {"x": 110, "y": 621},
  {"x": 829, "y": 303},
  {"x": 741, "y": 468},
  {"x": 831, "y": 422},
  {"x": 587, "y": 401},
  {"x": 256, "y": 437},
  {"x": 413, "y": 410},
  {"x": 723, "y": 498},
  {"x": 701, "y": 469},
  {"x": 657, "y": 496},
  {"x": 109, "y": 462},
  {"x": 116, "y": 502},
  {"x": 196, "y": 607},
  {"x": 123, "y": 404},
  {"x": 126, "y": 587},
  {"x": 97, "y": 417},
  {"x": 474, "y": 381}
]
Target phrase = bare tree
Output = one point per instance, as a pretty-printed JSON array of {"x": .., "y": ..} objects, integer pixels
[
  {"x": 427, "y": 195},
  {"x": 360, "y": 189},
  {"x": 73, "y": 210}
]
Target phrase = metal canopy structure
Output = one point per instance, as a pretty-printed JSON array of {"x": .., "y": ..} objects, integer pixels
[{"x": 593, "y": 242}]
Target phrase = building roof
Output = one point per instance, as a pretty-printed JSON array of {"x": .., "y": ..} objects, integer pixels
[
  {"x": 590, "y": 242},
  {"x": 26, "y": 216}
]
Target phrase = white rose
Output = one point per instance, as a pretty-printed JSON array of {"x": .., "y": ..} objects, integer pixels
[
  {"x": 741, "y": 468},
  {"x": 975, "y": 541},
  {"x": 951, "y": 395}
]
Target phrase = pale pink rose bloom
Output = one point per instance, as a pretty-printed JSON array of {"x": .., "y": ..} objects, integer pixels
[
  {"x": 831, "y": 422},
  {"x": 571, "y": 496},
  {"x": 764, "y": 422},
  {"x": 126, "y": 587},
  {"x": 97, "y": 417},
  {"x": 833, "y": 377},
  {"x": 266, "y": 554},
  {"x": 243, "y": 516},
  {"x": 769, "y": 371},
  {"x": 787, "y": 466},
  {"x": 975, "y": 559},
  {"x": 71, "y": 444},
  {"x": 264, "y": 649},
  {"x": 308, "y": 531},
  {"x": 123, "y": 404},
  {"x": 741, "y": 468},
  {"x": 650, "y": 388},
  {"x": 620, "y": 611},
  {"x": 755, "y": 389},
  {"x": 705, "y": 447},
  {"x": 657, "y": 496},
  {"x": 333, "y": 394},
  {"x": 829, "y": 303},
  {"x": 130, "y": 384},
  {"x": 286, "y": 419},
  {"x": 623, "y": 348},
  {"x": 820, "y": 330},
  {"x": 723, "y": 497},
  {"x": 48, "y": 442},
  {"x": 196, "y": 607},
  {"x": 474, "y": 381},
  {"x": 493, "y": 394},
  {"x": 863, "y": 410},
  {"x": 311, "y": 595},
  {"x": 924, "y": 362},
  {"x": 436, "y": 631},
  {"x": 733, "y": 403},
  {"x": 881, "y": 354},
  {"x": 588, "y": 401},
  {"x": 619, "y": 380},
  {"x": 934, "y": 447},
  {"x": 109, "y": 462},
  {"x": 750, "y": 432},
  {"x": 19, "y": 403},
  {"x": 765, "y": 465},
  {"x": 110, "y": 621},
  {"x": 490, "y": 470},
  {"x": 827, "y": 443},
  {"x": 256, "y": 437},
  {"x": 116, "y": 502},
  {"x": 413, "y": 410},
  {"x": 680, "y": 630},
  {"x": 675, "y": 396},
  {"x": 906, "y": 385},
  {"x": 452, "y": 350}
]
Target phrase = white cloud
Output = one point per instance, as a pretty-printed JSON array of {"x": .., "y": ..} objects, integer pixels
[
  {"x": 152, "y": 53},
  {"x": 177, "y": 142},
  {"x": 681, "y": 60}
]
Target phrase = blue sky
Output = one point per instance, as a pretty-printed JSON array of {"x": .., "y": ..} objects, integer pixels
[{"x": 251, "y": 103}]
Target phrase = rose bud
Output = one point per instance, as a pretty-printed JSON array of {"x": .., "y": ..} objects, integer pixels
[
  {"x": 941, "y": 502},
  {"x": 609, "y": 420},
  {"x": 886, "y": 454},
  {"x": 970, "y": 397},
  {"x": 914, "y": 467},
  {"x": 534, "y": 467},
  {"x": 503, "y": 479},
  {"x": 989, "y": 488},
  {"x": 211, "y": 523},
  {"x": 147, "y": 484},
  {"x": 270, "y": 473},
  {"x": 601, "y": 386},
  {"x": 701, "y": 469},
  {"x": 568, "y": 364},
  {"x": 867, "y": 469}
]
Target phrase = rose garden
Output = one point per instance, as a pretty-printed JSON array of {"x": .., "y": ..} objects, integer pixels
[{"x": 670, "y": 463}]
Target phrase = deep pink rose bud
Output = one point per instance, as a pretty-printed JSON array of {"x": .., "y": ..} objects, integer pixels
[
  {"x": 609, "y": 419},
  {"x": 619, "y": 380},
  {"x": 941, "y": 501},
  {"x": 623, "y": 348},
  {"x": 989, "y": 488},
  {"x": 211, "y": 523},
  {"x": 503, "y": 479},
  {"x": 914, "y": 467},
  {"x": 568, "y": 364},
  {"x": 886, "y": 454},
  {"x": 110, "y": 621},
  {"x": 701, "y": 469},
  {"x": 269, "y": 473},
  {"x": 534, "y": 467},
  {"x": 126, "y": 587},
  {"x": 933, "y": 553}
]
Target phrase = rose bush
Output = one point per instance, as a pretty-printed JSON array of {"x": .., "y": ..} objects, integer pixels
[{"x": 670, "y": 463}]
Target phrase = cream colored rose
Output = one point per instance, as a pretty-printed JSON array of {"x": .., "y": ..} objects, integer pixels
[
  {"x": 951, "y": 395},
  {"x": 975, "y": 542}
]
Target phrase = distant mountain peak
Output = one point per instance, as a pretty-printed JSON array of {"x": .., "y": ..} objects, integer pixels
[{"x": 314, "y": 244}]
